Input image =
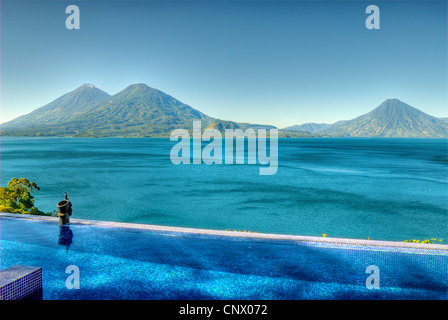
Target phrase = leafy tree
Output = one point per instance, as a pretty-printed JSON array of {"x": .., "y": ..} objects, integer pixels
[{"x": 17, "y": 198}]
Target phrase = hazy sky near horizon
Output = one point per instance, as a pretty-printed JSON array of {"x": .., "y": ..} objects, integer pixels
[{"x": 266, "y": 62}]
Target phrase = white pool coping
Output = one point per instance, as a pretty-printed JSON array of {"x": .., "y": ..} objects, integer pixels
[{"x": 253, "y": 235}]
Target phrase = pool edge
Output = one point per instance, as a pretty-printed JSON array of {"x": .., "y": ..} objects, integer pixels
[{"x": 252, "y": 235}]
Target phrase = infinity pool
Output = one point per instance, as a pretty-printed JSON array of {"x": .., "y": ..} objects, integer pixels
[{"x": 129, "y": 263}]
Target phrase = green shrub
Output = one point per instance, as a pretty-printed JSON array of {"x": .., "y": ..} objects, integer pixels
[
  {"x": 17, "y": 198},
  {"x": 432, "y": 240}
]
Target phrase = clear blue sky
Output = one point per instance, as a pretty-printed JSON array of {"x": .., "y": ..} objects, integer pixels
[{"x": 279, "y": 63}]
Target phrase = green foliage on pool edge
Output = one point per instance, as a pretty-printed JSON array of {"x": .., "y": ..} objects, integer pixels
[
  {"x": 430, "y": 241},
  {"x": 17, "y": 198}
]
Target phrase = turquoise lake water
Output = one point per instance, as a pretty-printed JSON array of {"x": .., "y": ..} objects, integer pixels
[{"x": 385, "y": 189}]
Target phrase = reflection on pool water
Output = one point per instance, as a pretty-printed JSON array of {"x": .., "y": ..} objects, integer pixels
[{"x": 120, "y": 263}]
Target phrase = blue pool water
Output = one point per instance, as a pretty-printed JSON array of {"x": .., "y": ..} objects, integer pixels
[
  {"x": 385, "y": 189},
  {"x": 117, "y": 263}
]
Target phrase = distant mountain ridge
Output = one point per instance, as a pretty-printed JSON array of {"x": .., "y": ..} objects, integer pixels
[
  {"x": 142, "y": 111},
  {"x": 136, "y": 111},
  {"x": 392, "y": 118},
  {"x": 308, "y": 127},
  {"x": 61, "y": 109}
]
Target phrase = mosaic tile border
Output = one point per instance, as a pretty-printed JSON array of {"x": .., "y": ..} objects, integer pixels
[{"x": 21, "y": 282}]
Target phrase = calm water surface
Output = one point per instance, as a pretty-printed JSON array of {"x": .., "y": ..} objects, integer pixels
[{"x": 389, "y": 189}]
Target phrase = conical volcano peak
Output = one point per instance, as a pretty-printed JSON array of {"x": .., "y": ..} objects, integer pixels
[
  {"x": 392, "y": 118},
  {"x": 139, "y": 86},
  {"x": 87, "y": 85},
  {"x": 62, "y": 109},
  {"x": 393, "y": 102},
  {"x": 395, "y": 105},
  {"x": 139, "y": 89}
]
